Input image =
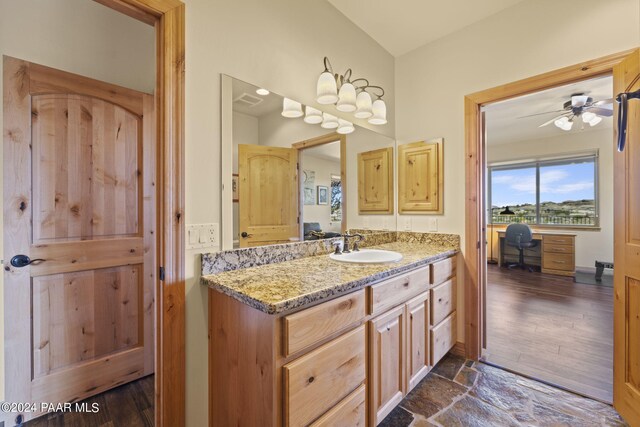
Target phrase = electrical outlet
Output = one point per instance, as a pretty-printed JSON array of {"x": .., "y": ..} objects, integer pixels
[
  {"x": 365, "y": 222},
  {"x": 433, "y": 224},
  {"x": 201, "y": 236},
  {"x": 406, "y": 223}
]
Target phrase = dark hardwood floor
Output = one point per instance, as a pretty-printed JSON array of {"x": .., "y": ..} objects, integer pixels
[
  {"x": 552, "y": 329},
  {"x": 129, "y": 405}
]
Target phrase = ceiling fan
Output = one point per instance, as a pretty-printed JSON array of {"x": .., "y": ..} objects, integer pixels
[{"x": 580, "y": 105}]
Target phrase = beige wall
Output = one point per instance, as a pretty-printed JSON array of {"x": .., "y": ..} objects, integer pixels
[
  {"x": 276, "y": 44},
  {"x": 527, "y": 39},
  {"x": 81, "y": 37},
  {"x": 590, "y": 245}
]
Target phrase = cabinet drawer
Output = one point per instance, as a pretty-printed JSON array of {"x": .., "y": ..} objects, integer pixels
[
  {"x": 558, "y": 240},
  {"x": 309, "y": 326},
  {"x": 442, "y": 270},
  {"x": 351, "y": 412},
  {"x": 558, "y": 249},
  {"x": 316, "y": 382},
  {"x": 443, "y": 338},
  {"x": 558, "y": 261},
  {"x": 443, "y": 300},
  {"x": 397, "y": 290}
]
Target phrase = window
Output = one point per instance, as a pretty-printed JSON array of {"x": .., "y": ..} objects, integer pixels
[{"x": 560, "y": 192}]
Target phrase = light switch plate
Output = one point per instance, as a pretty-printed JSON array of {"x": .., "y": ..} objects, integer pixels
[{"x": 201, "y": 236}]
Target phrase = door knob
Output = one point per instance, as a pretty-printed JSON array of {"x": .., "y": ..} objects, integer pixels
[
  {"x": 20, "y": 261},
  {"x": 244, "y": 234}
]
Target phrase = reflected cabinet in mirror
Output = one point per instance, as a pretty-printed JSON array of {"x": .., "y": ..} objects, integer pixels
[{"x": 289, "y": 177}]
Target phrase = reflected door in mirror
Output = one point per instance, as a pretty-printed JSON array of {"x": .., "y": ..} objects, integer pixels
[{"x": 268, "y": 207}]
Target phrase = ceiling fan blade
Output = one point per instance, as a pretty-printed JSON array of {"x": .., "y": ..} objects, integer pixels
[
  {"x": 600, "y": 111},
  {"x": 541, "y": 114},
  {"x": 579, "y": 100},
  {"x": 554, "y": 119},
  {"x": 604, "y": 102}
]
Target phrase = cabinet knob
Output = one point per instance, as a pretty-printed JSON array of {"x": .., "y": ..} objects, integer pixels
[{"x": 311, "y": 379}]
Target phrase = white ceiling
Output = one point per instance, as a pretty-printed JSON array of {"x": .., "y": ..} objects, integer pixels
[
  {"x": 505, "y": 122},
  {"x": 404, "y": 25}
]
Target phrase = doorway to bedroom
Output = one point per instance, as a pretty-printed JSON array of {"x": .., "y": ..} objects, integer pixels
[{"x": 549, "y": 218}]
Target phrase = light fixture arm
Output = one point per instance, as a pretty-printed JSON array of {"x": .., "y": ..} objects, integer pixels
[{"x": 346, "y": 78}]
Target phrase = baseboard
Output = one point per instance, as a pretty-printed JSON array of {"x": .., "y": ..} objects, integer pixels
[{"x": 459, "y": 349}]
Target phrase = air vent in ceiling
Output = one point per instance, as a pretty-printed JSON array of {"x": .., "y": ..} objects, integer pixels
[{"x": 248, "y": 100}]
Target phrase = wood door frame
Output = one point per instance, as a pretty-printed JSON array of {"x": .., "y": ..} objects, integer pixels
[
  {"x": 168, "y": 19},
  {"x": 321, "y": 140},
  {"x": 475, "y": 164}
]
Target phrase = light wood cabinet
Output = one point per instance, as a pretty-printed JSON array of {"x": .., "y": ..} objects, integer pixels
[
  {"x": 558, "y": 254},
  {"x": 351, "y": 412},
  {"x": 388, "y": 366},
  {"x": 316, "y": 382},
  {"x": 344, "y": 362},
  {"x": 307, "y": 327},
  {"x": 397, "y": 290},
  {"x": 421, "y": 177},
  {"x": 418, "y": 357},
  {"x": 375, "y": 181}
]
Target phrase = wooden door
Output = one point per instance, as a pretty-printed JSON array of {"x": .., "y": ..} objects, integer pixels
[
  {"x": 417, "y": 340},
  {"x": 387, "y": 347},
  {"x": 375, "y": 181},
  {"x": 268, "y": 187},
  {"x": 79, "y": 196},
  {"x": 421, "y": 177},
  {"x": 626, "y": 367}
]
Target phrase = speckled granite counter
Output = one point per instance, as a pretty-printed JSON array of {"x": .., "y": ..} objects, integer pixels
[{"x": 285, "y": 286}]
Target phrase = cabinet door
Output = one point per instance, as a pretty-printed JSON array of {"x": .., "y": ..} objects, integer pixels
[
  {"x": 388, "y": 374},
  {"x": 417, "y": 339},
  {"x": 421, "y": 177},
  {"x": 375, "y": 181}
]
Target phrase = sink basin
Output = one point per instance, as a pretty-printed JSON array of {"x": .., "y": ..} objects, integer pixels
[{"x": 368, "y": 256}]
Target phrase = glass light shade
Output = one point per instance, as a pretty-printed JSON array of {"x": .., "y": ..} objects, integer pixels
[
  {"x": 262, "y": 91},
  {"x": 561, "y": 122},
  {"x": 345, "y": 127},
  {"x": 326, "y": 89},
  {"x": 312, "y": 115},
  {"x": 347, "y": 98},
  {"x": 587, "y": 116},
  {"x": 363, "y": 104},
  {"x": 291, "y": 108},
  {"x": 595, "y": 121},
  {"x": 379, "y": 109},
  {"x": 567, "y": 125},
  {"x": 329, "y": 121}
]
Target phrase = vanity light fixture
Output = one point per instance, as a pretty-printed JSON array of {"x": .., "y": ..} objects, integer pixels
[
  {"x": 329, "y": 121},
  {"x": 345, "y": 127},
  {"x": 291, "y": 108},
  {"x": 313, "y": 116},
  {"x": 262, "y": 91},
  {"x": 340, "y": 90}
]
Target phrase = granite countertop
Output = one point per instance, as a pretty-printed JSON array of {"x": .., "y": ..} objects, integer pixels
[{"x": 282, "y": 287}]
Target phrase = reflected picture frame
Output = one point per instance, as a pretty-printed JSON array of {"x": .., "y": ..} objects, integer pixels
[
  {"x": 234, "y": 188},
  {"x": 323, "y": 195}
]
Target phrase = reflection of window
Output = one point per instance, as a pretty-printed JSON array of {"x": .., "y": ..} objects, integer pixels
[
  {"x": 551, "y": 192},
  {"x": 336, "y": 199}
]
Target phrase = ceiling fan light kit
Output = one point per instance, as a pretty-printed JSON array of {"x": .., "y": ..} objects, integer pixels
[{"x": 582, "y": 106}]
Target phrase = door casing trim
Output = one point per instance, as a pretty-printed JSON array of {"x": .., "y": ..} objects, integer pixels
[
  {"x": 168, "y": 19},
  {"x": 475, "y": 163}
]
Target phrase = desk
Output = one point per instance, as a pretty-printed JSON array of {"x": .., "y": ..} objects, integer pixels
[{"x": 556, "y": 253}]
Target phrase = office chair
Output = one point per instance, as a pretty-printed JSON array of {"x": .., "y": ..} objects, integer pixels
[{"x": 519, "y": 236}]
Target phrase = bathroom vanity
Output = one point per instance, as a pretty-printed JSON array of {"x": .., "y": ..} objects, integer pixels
[{"x": 317, "y": 342}]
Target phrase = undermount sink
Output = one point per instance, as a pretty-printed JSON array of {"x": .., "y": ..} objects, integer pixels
[{"x": 368, "y": 256}]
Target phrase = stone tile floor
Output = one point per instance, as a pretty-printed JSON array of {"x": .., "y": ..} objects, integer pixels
[{"x": 459, "y": 392}]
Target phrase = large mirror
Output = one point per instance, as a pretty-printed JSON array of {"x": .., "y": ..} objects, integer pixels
[{"x": 287, "y": 179}]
